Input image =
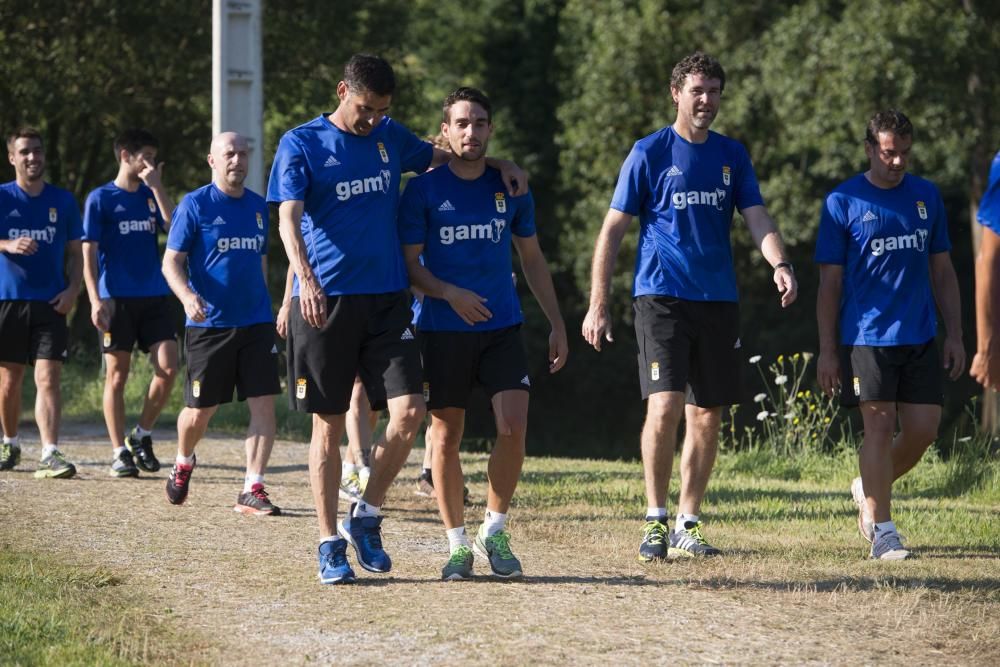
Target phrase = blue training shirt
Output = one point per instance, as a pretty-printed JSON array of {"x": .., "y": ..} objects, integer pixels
[
  {"x": 224, "y": 238},
  {"x": 465, "y": 228},
  {"x": 52, "y": 218},
  {"x": 685, "y": 195},
  {"x": 350, "y": 188},
  {"x": 884, "y": 238},
  {"x": 124, "y": 225},
  {"x": 989, "y": 206}
]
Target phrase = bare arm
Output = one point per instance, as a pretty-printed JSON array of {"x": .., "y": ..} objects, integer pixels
[
  {"x": 152, "y": 176},
  {"x": 944, "y": 282},
  {"x": 767, "y": 238},
  {"x": 986, "y": 364},
  {"x": 312, "y": 299},
  {"x": 466, "y": 303},
  {"x": 63, "y": 302},
  {"x": 175, "y": 272},
  {"x": 597, "y": 323},
  {"x": 536, "y": 272},
  {"x": 831, "y": 279},
  {"x": 100, "y": 313},
  {"x": 281, "y": 323}
]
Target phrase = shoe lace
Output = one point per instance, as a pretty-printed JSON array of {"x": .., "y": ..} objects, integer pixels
[
  {"x": 655, "y": 532},
  {"x": 57, "y": 456},
  {"x": 337, "y": 557},
  {"x": 460, "y": 555},
  {"x": 260, "y": 494},
  {"x": 373, "y": 537},
  {"x": 695, "y": 533},
  {"x": 182, "y": 475},
  {"x": 501, "y": 544}
]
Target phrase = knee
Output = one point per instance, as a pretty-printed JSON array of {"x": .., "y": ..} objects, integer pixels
[
  {"x": 879, "y": 431},
  {"x": 116, "y": 381},
  {"x": 663, "y": 412},
  {"x": 166, "y": 373},
  {"x": 513, "y": 425},
  {"x": 407, "y": 421}
]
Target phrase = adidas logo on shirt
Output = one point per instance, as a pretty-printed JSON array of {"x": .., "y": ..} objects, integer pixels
[
  {"x": 525, "y": 381},
  {"x": 446, "y": 206},
  {"x": 119, "y": 208},
  {"x": 331, "y": 162},
  {"x": 14, "y": 214},
  {"x": 274, "y": 349},
  {"x": 407, "y": 334},
  {"x": 218, "y": 220},
  {"x": 674, "y": 171},
  {"x": 869, "y": 216}
]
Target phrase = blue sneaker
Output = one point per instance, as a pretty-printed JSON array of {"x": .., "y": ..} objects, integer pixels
[
  {"x": 333, "y": 565},
  {"x": 365, "y": 535}
]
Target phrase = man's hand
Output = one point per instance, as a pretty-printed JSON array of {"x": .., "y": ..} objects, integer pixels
[
  {"x": 281, "y": 322},
  {"x": 467, "y": 304},
  {"x": 312, "y": 301},
  {"x": 21, "y": 246},
  {"x": 558, "y": 349},
  {"x": 151, "y": 174},
  {"x": 986, "y": 369},
  {"x": 515, "y": 178},
  {"x": 194, "y": 307},
  {"x": 788, "y": 287},
  {"x": 597, "y": 327},
  {"x": 953, "y": 353},
  {"x": 100, "y": 314},
  {"x": 63, "y": 302},
  {"x": 828, "y": 372}
]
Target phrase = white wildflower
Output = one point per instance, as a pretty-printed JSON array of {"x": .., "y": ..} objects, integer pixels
[
  {"x": 762, "y": 415},
  {"x": 789, "y": 416},
  {"x": 755, "y": 359},
  {"x": 781, "y": 379},
  {"x": 759, "y": 398},
  {"x": 965, "y": 439}
]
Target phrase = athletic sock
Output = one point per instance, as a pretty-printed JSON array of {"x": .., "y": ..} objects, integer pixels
[
  {"x": 656, "y": 513},
  {"x": 330, "y": 538},
  {"x": 141, "y": 432},
  {"x": 885, "y": 527},
  {"x": 119, "y": 450},
  {"x": 363, "y": 509},
  {"x": 493, "y": 523},
  {"x": 48, "y": 450},
  {"x": 364, "y": 472},
  {"x": 250, "y": 480},
  {"x": 186, "y": 461},
  {"x": 11, "y": 440},
  {"x": 346, "y": 469},
  {"x": 683, "y": 520},
  {"x": 457, "y": 538}
]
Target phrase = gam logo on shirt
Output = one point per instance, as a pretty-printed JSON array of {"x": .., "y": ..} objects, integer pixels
[
  {"x": 492, "y": 231},
  {"x": 128, "y": 226},
  {"x": 48, "y": 234},
  {"x": 915, "y": 241},
  {"x": 227, "y": 243},
  {"x": 681, "y": 200},
  {"x": 359, "y": 186}
]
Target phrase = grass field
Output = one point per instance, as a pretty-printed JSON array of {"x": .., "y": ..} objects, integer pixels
[{"x": 102, "y": 571}]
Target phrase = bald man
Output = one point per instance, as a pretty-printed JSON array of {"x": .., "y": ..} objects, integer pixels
[{"x": 219, "y": 232}]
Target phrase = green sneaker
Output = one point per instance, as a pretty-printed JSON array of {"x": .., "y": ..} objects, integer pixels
[
  {"x": 10, "y": 456},
  {"x": 459, "y": 566},
  {"x": 496, "y": 549},
  {"x": 55, "y": 465},
  {"x": 654, "y": 540}
]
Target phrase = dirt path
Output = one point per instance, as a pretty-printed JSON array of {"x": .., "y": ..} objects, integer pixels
[{"x": 247, "y": 587}]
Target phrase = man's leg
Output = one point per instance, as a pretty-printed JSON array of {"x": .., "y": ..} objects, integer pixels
[
  {"x": 658, "y": 443},
  {"x": 875, "y": 457},
  {"x": 117, "y": 365},
  {"x": 701, "y": 445},
  {"x": 918, "y": 429},
  {"x": 259, "y": 442},
  {"x": 48, "y": 400},
  {"x": 359, "y": 436},
  {"x": 511, "y": 411},
  {"x": 448, "y": 425},
  {"x": 163, "y": 357},
  {"x": 324, "y": 469},
  {"x": 405, "y": 416},
  {"x": 11, "y": 380},
  {"x": 191, "y": 426}
]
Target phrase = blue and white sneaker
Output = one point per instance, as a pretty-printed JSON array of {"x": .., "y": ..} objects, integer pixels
[
  {"x": 365, "y": 535},
  {"x": 333, "y": 565}
]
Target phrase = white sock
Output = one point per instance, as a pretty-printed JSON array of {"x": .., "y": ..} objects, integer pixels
[
  {"x": 493, "y": 523},
  {"x": 346, "y": 469},
  {"x": 119, "y": 450},
  {"x": 141, "y": 432},
  {"x": 186, "y": 461},
  {"x": 683, "y": 519},
  {"x": 457, "y": 538},
  {"x": 330, "y": 538},
  {"x": 11, "y": 440},
  {"x": 656, "y": 512},
  {"x": 885, "y": 527},
  {"x": 250, "y": 480},
  {"x": 363, "y": 509},
  {"x": 364, "y": 472},
  {"x": 47, "y": 450}
]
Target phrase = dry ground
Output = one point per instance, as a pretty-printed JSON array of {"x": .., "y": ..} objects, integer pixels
[{"x": 244, "y": 590}]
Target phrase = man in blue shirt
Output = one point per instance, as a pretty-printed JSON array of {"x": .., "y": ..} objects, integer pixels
[
  {"x": 986, "y": 363},
  {"x": 220, "y": 232},
  {"x": 883, "y": 253},
  {"x": 684, "y": 182},
  {"x": 336, "y": 183},
  {"x": 460, "y": 221},
  {"x": 129, "y": 300},
  {"x": 39, "y": 233}
]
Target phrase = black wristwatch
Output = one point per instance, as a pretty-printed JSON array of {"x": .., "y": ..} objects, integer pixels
[{"x": 784, "y": 265}]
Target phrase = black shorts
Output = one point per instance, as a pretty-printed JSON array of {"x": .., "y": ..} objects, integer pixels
[
  {"x": 899, "y": 374},
  {"x": 31, "y": 330},
  {"x": 221, "y": 359},
  {"x": 142, "y": 320},
  {"x": 365, "y": 334},
  {"x": 690, "y": 346},
  {"x": 456, "y": 361}
]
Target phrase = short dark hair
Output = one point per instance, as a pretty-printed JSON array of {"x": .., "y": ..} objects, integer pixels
[
  {"x": 889, "y": 120},
  {"x": 23, "y": 132},
  {"x": 466, "y": 94},
  {"x": 368, "y": 73},
  {"x": 697, "y": 63},
  {"x": 132, "y": 140}
]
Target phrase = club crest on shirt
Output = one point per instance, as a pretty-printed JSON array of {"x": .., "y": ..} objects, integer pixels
[
  {"x": 726, "y": 174},
  {"x": 427, "y": 391},
  {"x": 260, "y": 221},
  {"x": 53, "y": 214},
  {"x": 300, "y": 388},
  {"x": 196, "y": 388},
  {"x": 107, "y": 339},
  {"x": 501, "y": 202},
  {"x": 382, "y": 152},
  {"x": 152, "y": 204},
  {"x": 857, "y": 386},
  {"x": 654, "y": 371},
  {"x": 922, "y": 210}
]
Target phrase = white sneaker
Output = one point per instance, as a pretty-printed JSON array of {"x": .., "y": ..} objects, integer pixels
[
  {"x": 889, "y": 546},
  {"x": 865, "y": 521}
]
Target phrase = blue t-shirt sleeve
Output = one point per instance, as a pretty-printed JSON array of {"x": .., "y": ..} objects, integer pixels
[
  {"x": 524, "y": 219},
  {"x": 747, "y": 191},
  {"x": 989, "y": 206},
  {"x": 939, "y": 241},
  {"x": 415, "y": 153},
  {"x": 412, "y": 220},
  {"x": 93, "y": 217},
  {"x": 290, "y": 176},
  {"x": 831, "y": 240},
  {"x": 183, "y": 226},
  {"x": 633, "y": 183}
]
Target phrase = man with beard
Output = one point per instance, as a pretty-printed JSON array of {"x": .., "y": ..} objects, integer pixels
[{"x": 40, "y": 231}]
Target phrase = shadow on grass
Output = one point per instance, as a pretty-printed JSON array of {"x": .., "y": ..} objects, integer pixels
[
  {"x": 550, "y": 580},
  {"x": 849, "y": 584}
]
